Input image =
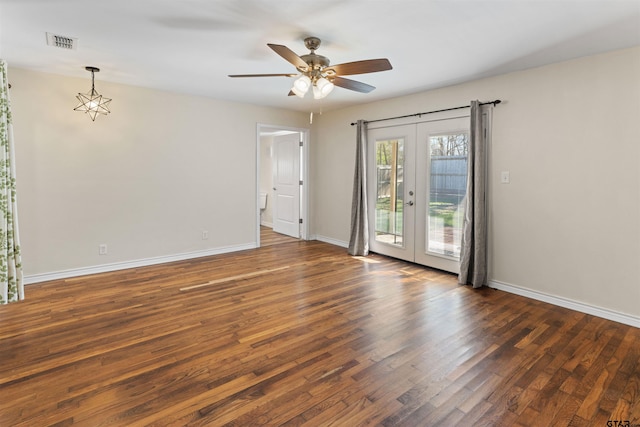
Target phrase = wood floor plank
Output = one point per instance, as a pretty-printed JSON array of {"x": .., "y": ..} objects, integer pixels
[{"x": 299, "y": 333}]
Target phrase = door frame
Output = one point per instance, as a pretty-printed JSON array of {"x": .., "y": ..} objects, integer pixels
[
  {"x": 407, "y": 133},
  {"x": 446, "y": 125},
  {"x": 435, "y": 117},
  {"x": 261, "y": 130}
]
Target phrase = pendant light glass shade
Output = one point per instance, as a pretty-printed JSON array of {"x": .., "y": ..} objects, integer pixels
[
  {"x": 92, "y": 102},
  {"x": 301, "y": 86},
  {"x": 322, "y": 88}
]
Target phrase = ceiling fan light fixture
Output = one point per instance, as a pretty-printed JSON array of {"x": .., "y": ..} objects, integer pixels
[
  {"x": 322, "y": 88},
  {"x": 298, "y": 92},
  {"x": 313, "y": 70},
  {"x": 301, "y": 86}
]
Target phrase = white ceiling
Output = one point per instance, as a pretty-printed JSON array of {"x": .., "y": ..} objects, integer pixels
[{"x": 190, "y": 46}]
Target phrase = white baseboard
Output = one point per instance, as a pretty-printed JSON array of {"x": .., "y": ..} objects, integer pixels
[
  {"x": 627, "y": 319},
  {"x": 104, "y": 268},
  {"x": 266, "y": 224},
  {"x": 331, "y": 241}
]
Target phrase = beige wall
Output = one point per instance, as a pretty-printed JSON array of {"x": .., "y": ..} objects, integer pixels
[
  {"x": 146, "y": 180},
  {"x": 568, "y": 224},
  {"x": 163, "y": 167}
]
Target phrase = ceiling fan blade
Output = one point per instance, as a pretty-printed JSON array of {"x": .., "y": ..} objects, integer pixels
[
  {"x": 289, "y": 55},
  {"x": 262, "y": 75},
  {"x": 352, "y": 85},
  {"x": 361, "y": 67}
]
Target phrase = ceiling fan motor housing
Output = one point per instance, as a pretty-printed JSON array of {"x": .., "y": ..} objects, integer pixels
[{"x": 316, "y": 63}]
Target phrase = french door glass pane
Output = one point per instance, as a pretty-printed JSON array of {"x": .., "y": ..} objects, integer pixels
[
  {"x": 389, "y": 191},
  {"x": 447, "y": 189}
]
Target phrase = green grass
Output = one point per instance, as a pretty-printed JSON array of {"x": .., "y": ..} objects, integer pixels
[
  {"x": 446, "y": 211},
  {"x": 446, "y": 208},
  {"x": 384, "y": 204}
]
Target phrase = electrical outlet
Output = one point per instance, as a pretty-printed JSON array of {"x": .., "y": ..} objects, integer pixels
[
  {"x": 205, "y": 235},
  {"x": 102, "y": 249},
  {"x": 504, "y": 177}
]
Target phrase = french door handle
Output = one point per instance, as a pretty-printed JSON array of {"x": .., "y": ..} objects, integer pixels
[{"x": 410, "y": 202}]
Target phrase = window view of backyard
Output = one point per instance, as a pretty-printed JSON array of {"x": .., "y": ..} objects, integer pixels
[
  {"x": 389, "y": 191},
  {"x": 448, "y": 183},
  {"x": 447, "y": 187}
]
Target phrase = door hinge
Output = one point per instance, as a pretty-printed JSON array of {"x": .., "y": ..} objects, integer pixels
[
  {"x": 301, "y": 143},
  {"x": 301, "y": 182},
  {"x": 300, "y": 220}
]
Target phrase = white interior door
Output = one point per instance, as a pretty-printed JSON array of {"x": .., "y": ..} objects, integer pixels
[
  {"x": 417, "y": 183},
  {"x": 286, "y": 184}
]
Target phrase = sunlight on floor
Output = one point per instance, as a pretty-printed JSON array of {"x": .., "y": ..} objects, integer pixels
[{"x": 365, "y": 259}]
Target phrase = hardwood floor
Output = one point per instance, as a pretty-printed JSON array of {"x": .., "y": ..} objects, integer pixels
[
  {"x": 300, "y": 333},
  {"x": 268, "y": 237}
]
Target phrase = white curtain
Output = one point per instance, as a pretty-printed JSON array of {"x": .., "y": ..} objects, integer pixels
[
  {"x": 473, "y": 255},
  {"x": 359, "y": 238},
  {"x": 11, "y": 285}
]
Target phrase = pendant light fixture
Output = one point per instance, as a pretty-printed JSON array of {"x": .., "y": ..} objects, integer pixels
[{"x": 92, "y": 102}]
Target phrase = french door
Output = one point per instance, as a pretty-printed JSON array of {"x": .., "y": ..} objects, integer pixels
[{"x": 417, "y": 183}]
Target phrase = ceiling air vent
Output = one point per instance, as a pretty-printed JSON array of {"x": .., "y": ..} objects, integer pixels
[{"x": 63, "y": 42}]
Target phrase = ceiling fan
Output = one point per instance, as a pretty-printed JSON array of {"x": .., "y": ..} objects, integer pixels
[{"x": 315, "y": 72}]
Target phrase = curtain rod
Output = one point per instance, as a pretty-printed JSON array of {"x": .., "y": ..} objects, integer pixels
[{"x": 496, "y": 102}]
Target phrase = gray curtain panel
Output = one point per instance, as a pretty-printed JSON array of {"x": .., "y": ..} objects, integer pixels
[
  {"x": 473, "y": 255},
  {"x": 359, "y": 239}
]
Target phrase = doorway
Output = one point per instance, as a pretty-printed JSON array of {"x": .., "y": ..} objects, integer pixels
[
  {"x": 417, "y": 184},
  {"x": 282, "y": 176}
]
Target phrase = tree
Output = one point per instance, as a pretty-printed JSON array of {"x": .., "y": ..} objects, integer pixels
[{"x": 450, "y": 145}]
